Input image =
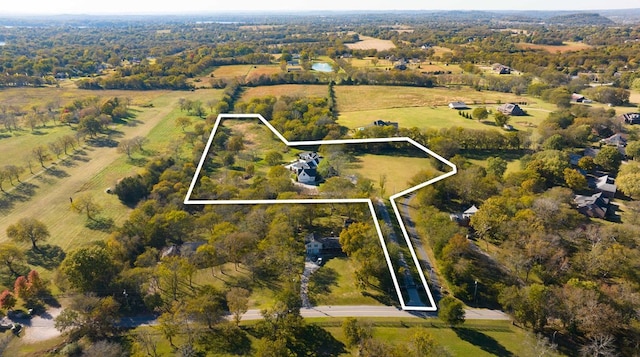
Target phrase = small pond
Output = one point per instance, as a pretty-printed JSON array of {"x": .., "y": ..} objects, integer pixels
[{"x": 322, "y": 67}]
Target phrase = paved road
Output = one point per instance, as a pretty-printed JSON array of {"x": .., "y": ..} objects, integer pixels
[
  {"x": 434, "y": 282},
  {"x": 410, "y": 285},
  {"x": 380, "y": 311}
]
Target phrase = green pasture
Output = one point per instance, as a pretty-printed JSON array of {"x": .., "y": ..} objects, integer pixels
[
  {"x": 397, "y": 169},
  {"x": 335, "y": 284}
]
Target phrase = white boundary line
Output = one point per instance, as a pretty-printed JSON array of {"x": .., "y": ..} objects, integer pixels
[{"x": 392, "y": 198}]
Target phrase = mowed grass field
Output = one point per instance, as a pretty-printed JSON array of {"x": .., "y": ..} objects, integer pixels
[
  {"x": 427, "y": 108},
  {"x": 94, "y": 170},
  {"x": 398, "y": 170}
]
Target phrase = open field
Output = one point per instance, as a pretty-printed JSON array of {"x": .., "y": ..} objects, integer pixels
[
  {"x": 232, "y": 71},
  {"x": 433, "y": 118},
  {"x": 291, "y": 90},
  {"x": 474, "y": 338},
  {"x": 439, "y": 51},
  {"x": 566, "y": 47},
  {"x": 370, "y": 43},
  {"x": 93, "y": 170},
  {"x": 397, "y": 169},
  {"x": 356, "y": 98}
]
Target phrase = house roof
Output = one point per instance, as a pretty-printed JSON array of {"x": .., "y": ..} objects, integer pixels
[
  {"x": 458, "y": 105},
  {"x": 576, "y": 96},
  {"x": 471, "y": 210},
  {"x": 593, "y": 206},
  {"x": 510, "y": 108},
  {"x": 615, "y": 139},
  {"x": 606, "y": 184}
]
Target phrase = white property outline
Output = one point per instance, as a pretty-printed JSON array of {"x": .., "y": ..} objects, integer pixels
[{"x": 392, "y": 198}]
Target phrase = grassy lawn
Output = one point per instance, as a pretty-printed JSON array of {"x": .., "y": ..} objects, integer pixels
[
  {"x": 335, "y": 284},
  {"x": 397, "y": 169},
  {"x": 473, "y": 338},
  {"x": 357, "y": 98}
]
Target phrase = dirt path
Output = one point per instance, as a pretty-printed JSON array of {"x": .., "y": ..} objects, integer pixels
[{"x": 51, "y": 191}]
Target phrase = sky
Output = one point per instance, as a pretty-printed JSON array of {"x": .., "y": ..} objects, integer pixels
[{"x": 214, "y": 6}]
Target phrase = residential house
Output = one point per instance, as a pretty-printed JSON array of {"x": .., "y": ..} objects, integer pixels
[
  {"x": 316, "y": 246},
  {"x": 312, "y": 245},
  {"x": 306, "y": 167},
  {"x": 501, "y": 69},
  {"x": 578, "y": 98},
  {"x": 464, "y": 218},
  {"x": 458, "y": 105},
  {"x": 631, "y": 118},
  {"x": 606, "y": 185},
  {"x": 596, "y": 205},
  {"x": 615, "y": 140},
  {"x": 385, "y": 123},
  {"x": 511, "y": 109}
]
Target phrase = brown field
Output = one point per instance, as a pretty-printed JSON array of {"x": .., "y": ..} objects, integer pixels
[
  {"x": 370, "y": 43},
  {"x": 292, "y": 90},
  {"x": 439, "y": 51},
  {"x": 263, "y": 70},
  {"x": 232, "y": 71},
  {"x": 567, "y": 47}
]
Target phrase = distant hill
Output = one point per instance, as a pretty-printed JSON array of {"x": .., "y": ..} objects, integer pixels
[{"x": 580, "y": 19}]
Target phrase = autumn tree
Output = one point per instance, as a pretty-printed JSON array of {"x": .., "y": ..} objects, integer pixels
[
  {"x": 57, "y": 148},
  {"x": 12, "y": 257},
  {"x": 126, "y": 146},
  {"x": 40, "y": 154},
  {"x": 86, "y": 203},
  {"x": 609, "y": 158},
  {"x": 480, "y": 113},
  {"x": 28, "y": 229},
  {"x": 183, "y": 122},
  {"x": 501, "y": 119},
  {"x": 238, "y": 302},
  {"x": 451, "y": 311},
  {"x": 273, "y": 158},
  {"x": 575, "y": 180},
  {"x": 89, "y": 269},
  {"x": 7, "y": 300},
  {"x": 89, "y": 316},
  {"x": 496, "y": 166}
]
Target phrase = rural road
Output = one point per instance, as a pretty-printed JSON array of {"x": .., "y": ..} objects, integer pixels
[
  {"x": 410, "y": 285},
  {"x": 425, "y": 262},
  {"x": 43, "y": 328}
]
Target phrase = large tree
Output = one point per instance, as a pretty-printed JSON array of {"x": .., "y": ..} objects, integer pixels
[
  {"x": 89, "y": 269},
  {"x": 609, "y": 158},
  {"x": 89, "y": 316},
  {"x": 451, "y": 311},
  {"x": 28, "y": 229}
]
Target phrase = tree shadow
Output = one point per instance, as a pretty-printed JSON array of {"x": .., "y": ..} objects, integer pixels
[
  {"x": 102, "y": 142},
  {"x": 313, "y": 340},
  {"x": 8, "y": 277},
  {"x": 103, "y": 224},
  {"x": 226, "y": 338},
  {"x": 56, "y": 172},
  {"x": 138, "y": 161},
  {"x": 47, "y": 256},
  {"x": 321, "y": 281},
  {"x": 486, "y": 343}
]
